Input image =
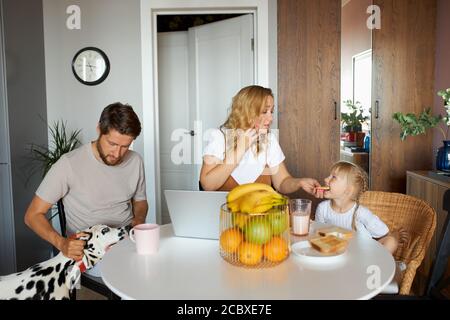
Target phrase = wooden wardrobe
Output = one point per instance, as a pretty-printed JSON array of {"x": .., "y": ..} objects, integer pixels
[{"x": 309, "y": 83}]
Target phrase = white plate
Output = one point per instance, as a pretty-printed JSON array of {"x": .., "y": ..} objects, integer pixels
[{"x": 303, "y": 249}]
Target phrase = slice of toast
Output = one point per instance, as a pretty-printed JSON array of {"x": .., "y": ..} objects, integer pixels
[
  {"x": 336, "y": 231},
  {"x": 328, "y": 244}
]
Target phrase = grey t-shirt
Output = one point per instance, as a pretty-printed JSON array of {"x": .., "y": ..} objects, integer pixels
[{"x": 94, "y": 193}]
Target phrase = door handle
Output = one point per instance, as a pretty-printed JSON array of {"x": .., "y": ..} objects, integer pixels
[
  {"x": 190, "y": 132},
  {"x": 377, "y": 109},
  {"x": 4, "y": 163},
  {"x": 335, "y": 110}
]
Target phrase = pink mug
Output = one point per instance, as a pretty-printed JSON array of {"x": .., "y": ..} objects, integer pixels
[{"x": 146, "y": 237}]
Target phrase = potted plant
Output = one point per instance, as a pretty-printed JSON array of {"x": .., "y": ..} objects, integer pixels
[
  {"x": 352, "y": 122},
  {"x": 413, "y": 125},
  {"x": 61, "y": 143}
]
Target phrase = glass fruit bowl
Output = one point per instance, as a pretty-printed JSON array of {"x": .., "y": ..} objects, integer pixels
[{"x": 255, "y": 240}]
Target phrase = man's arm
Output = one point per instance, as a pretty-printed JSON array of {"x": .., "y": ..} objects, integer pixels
[
  {"x": 140, "y": 209},
  {"x": 35, "y": 219}
]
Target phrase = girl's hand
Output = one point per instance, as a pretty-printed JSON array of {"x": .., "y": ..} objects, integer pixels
[{"x": 310, "y": 185}]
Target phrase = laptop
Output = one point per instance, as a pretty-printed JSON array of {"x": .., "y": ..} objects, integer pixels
[{"x": 195, "y": 214}]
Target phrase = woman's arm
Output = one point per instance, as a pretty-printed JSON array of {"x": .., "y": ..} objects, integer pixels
[{"x": 285, "y": 183}]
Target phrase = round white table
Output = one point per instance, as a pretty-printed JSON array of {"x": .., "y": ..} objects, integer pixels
[{"x": 191, "y": 269}]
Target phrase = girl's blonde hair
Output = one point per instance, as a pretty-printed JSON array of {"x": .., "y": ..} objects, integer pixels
[
  {"x": 357, "y": 177},
  {"x": 246, "y": 107}
]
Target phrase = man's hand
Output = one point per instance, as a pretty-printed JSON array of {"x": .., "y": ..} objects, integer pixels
[
  {"x": 72, "y": 248},
  {"x": 137, "y": 221}
]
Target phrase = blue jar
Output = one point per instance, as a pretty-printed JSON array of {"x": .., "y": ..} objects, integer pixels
[
  {"x": 367, "y": 143},
  {"x": 443, "y": 157}
]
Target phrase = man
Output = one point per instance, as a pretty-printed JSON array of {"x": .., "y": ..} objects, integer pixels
[{"x": 101, "y": 182}]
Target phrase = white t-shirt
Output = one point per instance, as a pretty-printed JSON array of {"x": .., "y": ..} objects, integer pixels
[
  {"x": 366, "y": 222},
  {"x": 251, "y": 166}
]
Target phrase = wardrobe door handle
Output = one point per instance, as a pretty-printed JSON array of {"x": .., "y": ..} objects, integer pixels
[
  {"x": 335, "y": 110},
  {"x": 377, "y": 109}
]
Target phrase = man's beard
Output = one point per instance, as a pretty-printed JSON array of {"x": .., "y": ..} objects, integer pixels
[{"x": 104, "y": 157}]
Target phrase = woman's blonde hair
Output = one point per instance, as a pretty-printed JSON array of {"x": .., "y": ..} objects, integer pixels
[
  {"x": 357, "y": 177},
  {"x": 246, "y": 107}
]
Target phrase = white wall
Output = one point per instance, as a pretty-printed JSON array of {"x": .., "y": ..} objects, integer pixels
[
  {"x": 114, "y": 27},
  {"x": 123, "y": 29}
]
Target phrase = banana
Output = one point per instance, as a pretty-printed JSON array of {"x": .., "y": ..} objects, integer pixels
[
  {"x": 239, "y": 191},
  {"x": 260, "y": 198},
  {"x": 234, "y": 206}
]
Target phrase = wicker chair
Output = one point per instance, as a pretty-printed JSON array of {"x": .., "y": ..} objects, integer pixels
[{"x": 415, "y": 216}]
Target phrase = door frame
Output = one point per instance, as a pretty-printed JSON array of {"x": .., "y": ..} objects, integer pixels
[{"x": 265, "y": 15}]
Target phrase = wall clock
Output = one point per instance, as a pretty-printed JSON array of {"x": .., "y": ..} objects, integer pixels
[{"x": 90, "y": 66}]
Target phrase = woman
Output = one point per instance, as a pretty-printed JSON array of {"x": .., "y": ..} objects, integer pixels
[{"x": 244, "y": 151}]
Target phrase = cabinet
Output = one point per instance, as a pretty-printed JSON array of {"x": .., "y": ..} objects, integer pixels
[
  {"x": 22, "y": 103},
  {"x": 309, "y": 87},
  {"x": 402, "y": 81},
  {"x": 421, "y": 185}
]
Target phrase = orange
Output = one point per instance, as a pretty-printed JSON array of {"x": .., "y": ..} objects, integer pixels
[
  {"x": 230, "y": 240},
  {"x": 276, "y": 249},
  {"x": 250, "y": 254}
]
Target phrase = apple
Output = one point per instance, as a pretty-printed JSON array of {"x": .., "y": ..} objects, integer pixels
[
  {"x": 258, "y": 230},
  {"x": 279, "y": 221}
]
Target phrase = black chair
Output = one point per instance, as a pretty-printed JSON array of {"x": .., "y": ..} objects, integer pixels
[
  {"x": 436, "y": 281},
  {"x": 88, "y": 281}
]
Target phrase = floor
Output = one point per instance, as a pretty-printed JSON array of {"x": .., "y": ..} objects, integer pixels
[{"x": 87, "y": 294}]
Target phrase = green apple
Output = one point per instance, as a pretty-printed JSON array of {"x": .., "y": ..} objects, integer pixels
[
  {"x": 279, "y": 221},
  {"x": 258, "y": 230}
]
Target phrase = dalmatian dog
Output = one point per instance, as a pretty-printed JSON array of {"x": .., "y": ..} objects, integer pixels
[{"x": 54, "y": 279}]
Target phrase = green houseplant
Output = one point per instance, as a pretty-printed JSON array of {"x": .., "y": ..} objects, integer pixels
[
  {"x": 353, "y": 120},
  {"x": 413, "y": 125},
  {"x": 61, "y": 143}
]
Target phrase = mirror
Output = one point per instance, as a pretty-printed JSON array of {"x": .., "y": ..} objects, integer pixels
[{"x": 356, "y": 83}]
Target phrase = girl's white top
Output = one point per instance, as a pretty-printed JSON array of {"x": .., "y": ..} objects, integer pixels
[{"x": 366, "y": 222}]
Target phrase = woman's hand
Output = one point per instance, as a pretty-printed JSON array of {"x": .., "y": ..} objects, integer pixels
[
  {"x": 244, "y": 141},
  {"x": 310, "y": 185}
]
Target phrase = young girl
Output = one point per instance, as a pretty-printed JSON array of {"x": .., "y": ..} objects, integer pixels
[{"x": 347, "y": 182}]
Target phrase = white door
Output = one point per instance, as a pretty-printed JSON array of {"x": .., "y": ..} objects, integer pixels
[
  {"x": 221, "y": 62},
  {"x": 173, "y": 113},
  {"x": 199, "y": 72}
]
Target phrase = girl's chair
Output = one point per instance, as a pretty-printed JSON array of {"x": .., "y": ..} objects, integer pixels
[{"x": 413, "y": 215}]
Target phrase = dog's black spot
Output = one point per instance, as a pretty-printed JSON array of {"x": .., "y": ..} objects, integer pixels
[
  {"x": 105, "y": 230},
  {"x": 30, "y": 285},
  {"x": 20, "y": 273},
  {"x": 63, "y": 272},
  {"x": 45, "y": 272},
  {"x": 19, "y": 289},
  {"x": 40, "y": 286},
  {"x": 92, "y": 256},
  {"x": 36, "y": 267},
  {"x": 51, "y": 286},
  {"x": 57, "y": 267}
]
